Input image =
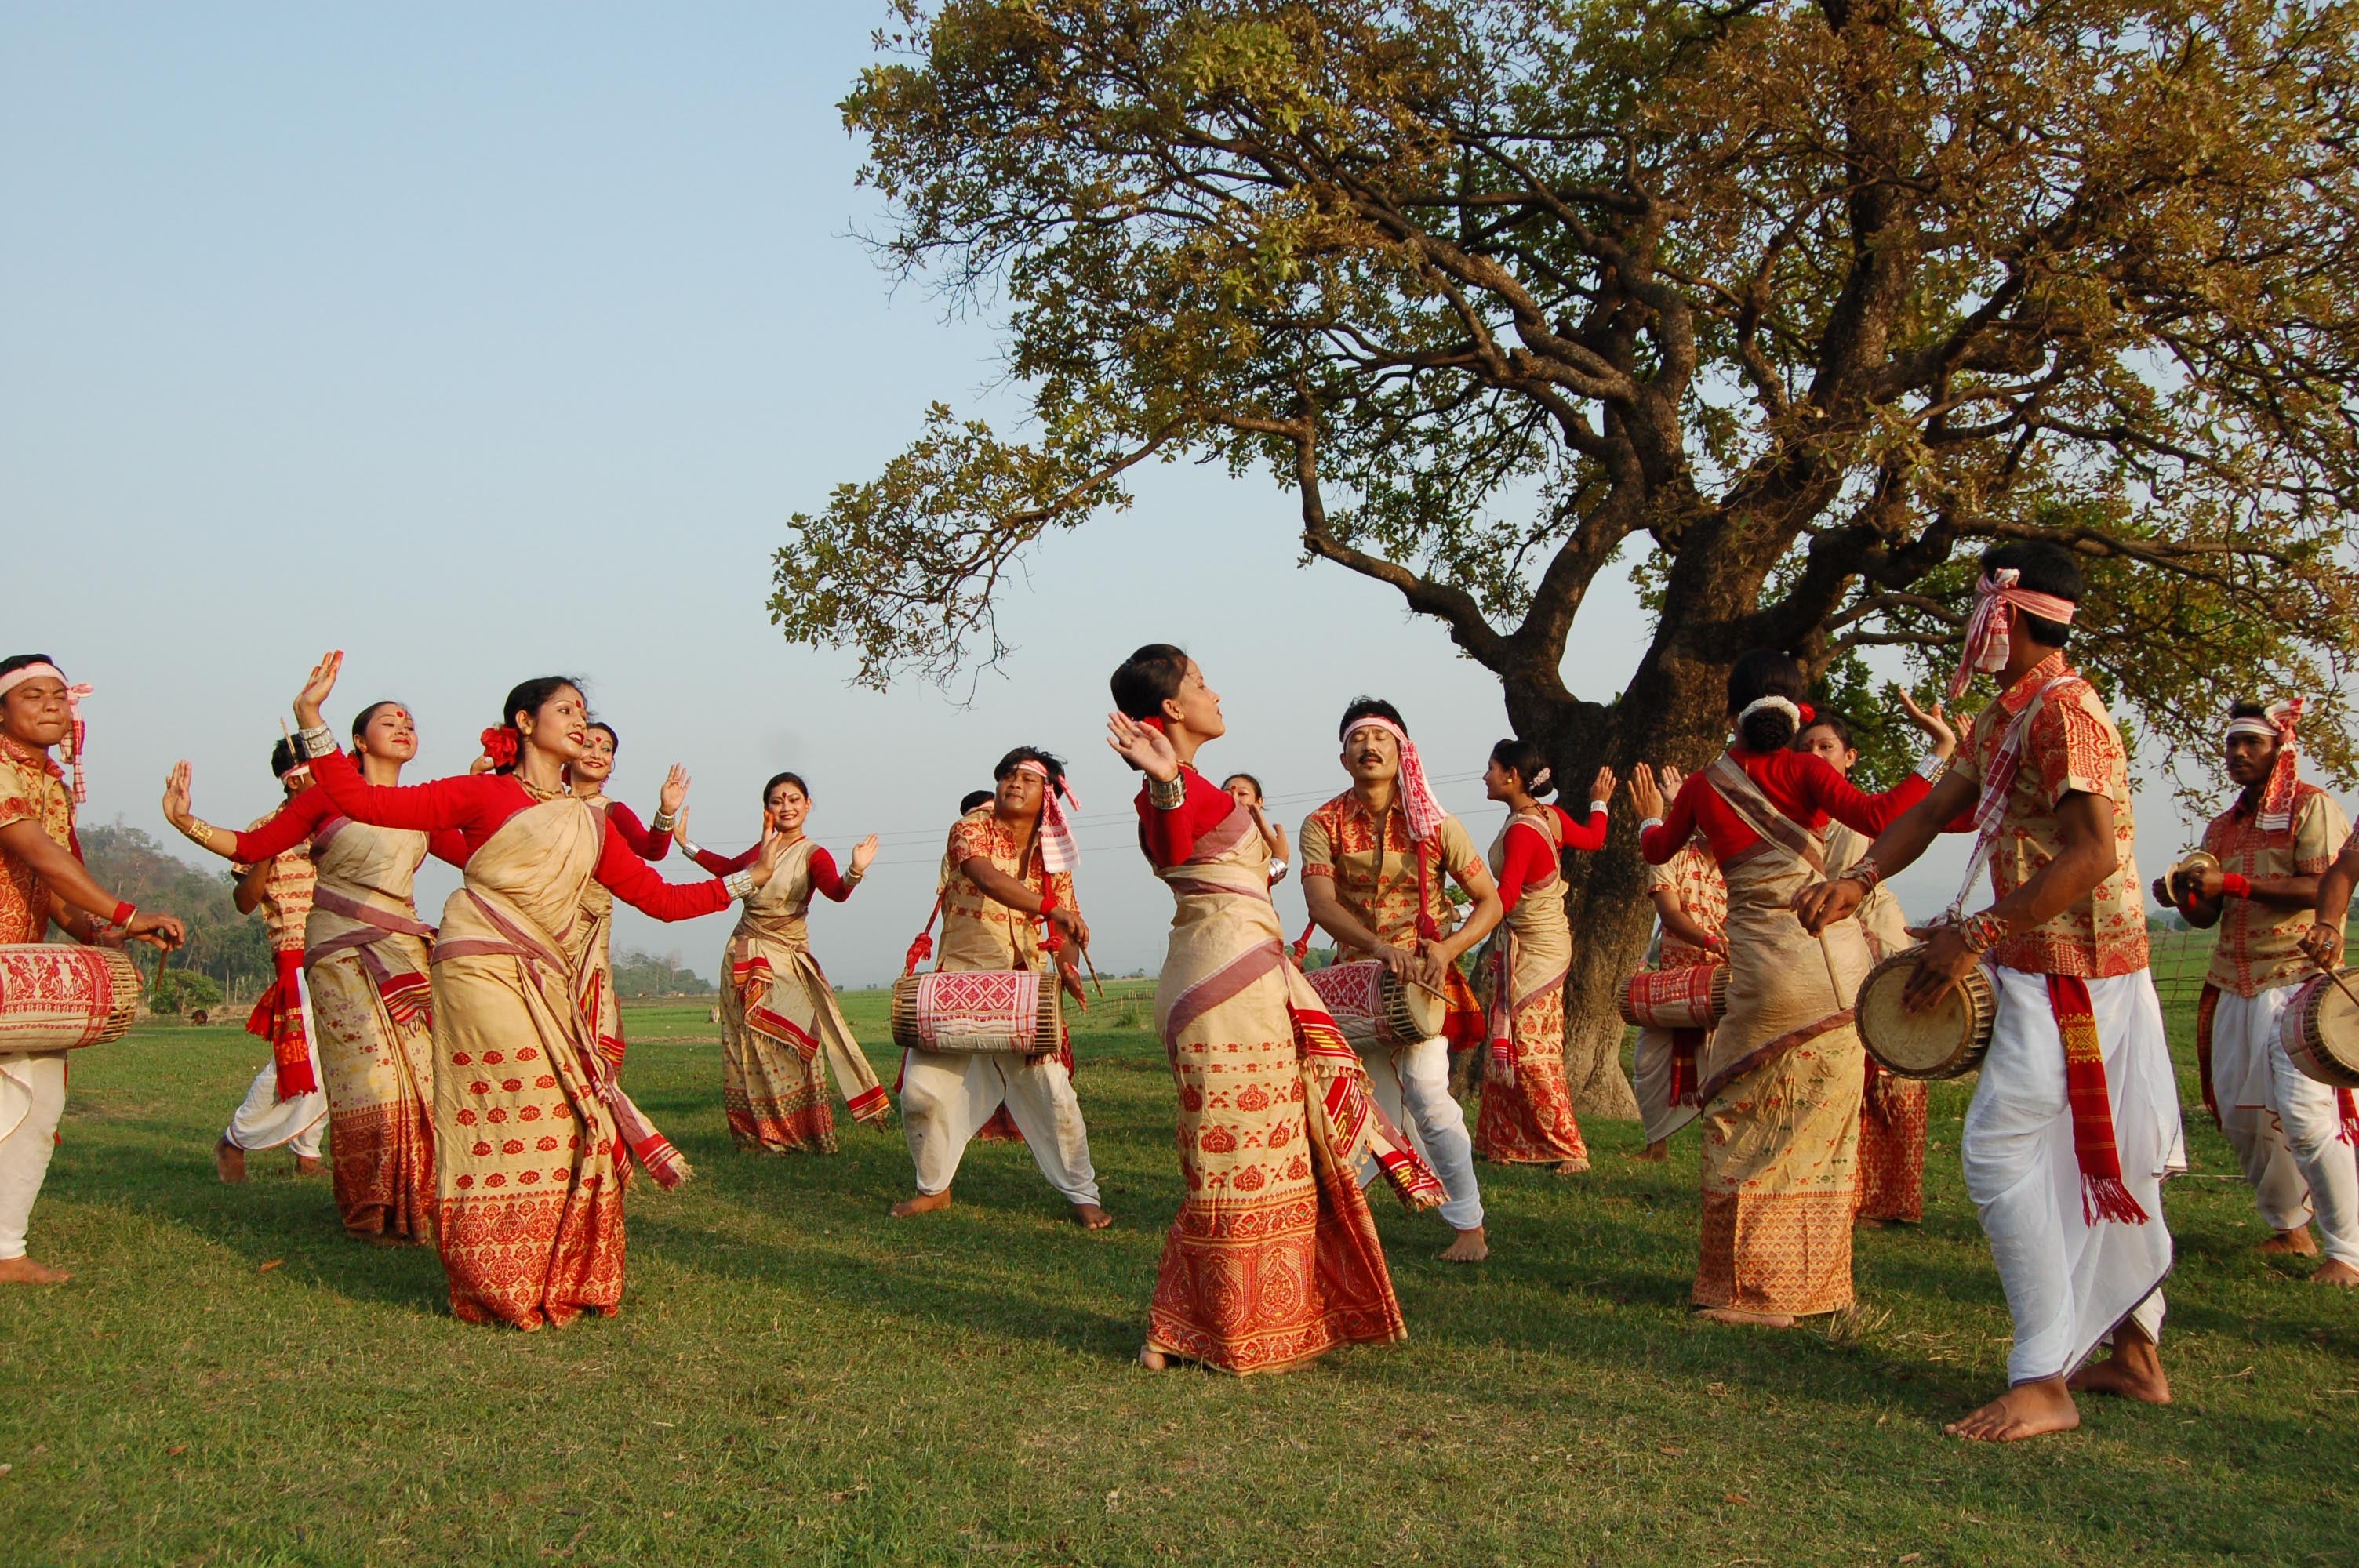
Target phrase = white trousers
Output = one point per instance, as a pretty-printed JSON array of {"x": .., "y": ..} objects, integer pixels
[
  {"x": 263, "y": 1121},
  {"x": 1412, "y": 1086},
  {"x": 2069, "y": 1283},
  {"x": 1650, "y": 1077},
  {"x": 947, "y": 1095},
  {"x": 2283, "y": 1124},
  {"x": 32, "y": 1097}
]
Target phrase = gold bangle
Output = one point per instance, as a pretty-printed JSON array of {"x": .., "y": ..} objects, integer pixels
[{"x": 199, "y": 830}]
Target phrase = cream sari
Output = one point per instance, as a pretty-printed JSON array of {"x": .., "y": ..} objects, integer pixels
[
  {"x": 533, "y": 1137},
  {"x": 1781, "y": 1083},
  {"x": 1274, "y": 1258},
  {"x": 1525, "y": 1116},
  {"x": 779, "y": 1016},
  {"x": 366, "y": 957},
  {"x": 1892, "y": 1110}
]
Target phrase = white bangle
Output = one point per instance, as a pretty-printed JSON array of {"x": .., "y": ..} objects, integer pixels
[
  {"x": 1930, "y": 768},
  {"x": 740, "y": 884},
  {"x": 691, "y": 848},
  {"x": 1167, "y": 794},
  {"x": 1650, "y": 823},
  {"x": 1597, "y": 808},
  {"x": 315, "y": 741},
  {"x": 664, "y": 822}
]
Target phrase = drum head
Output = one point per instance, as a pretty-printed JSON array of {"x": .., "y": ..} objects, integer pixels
[
  {"x": 2334, "y": 1025},
  {"x": 1914, "y": 1045},
  {"x": 1428, "y": 1011}
]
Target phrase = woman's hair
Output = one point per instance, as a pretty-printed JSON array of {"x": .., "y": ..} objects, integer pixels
[
  {"x": 974, "y": 797},
  {"x": 15, "y": 662},
  {"x": 1248, "y": 778},
  {"x": 1766, "y": 672},
  {"x": 614, "y": 741},
  {"x": 794, "y": 779},
  {"x": 282, "y": 757},
  {"x": 1526, "y": 762},
  {"x": 2046, "y": 568},
  {"x": 1147, "y": 679},
  {"x": 529, "y": 696},
  {"x": 1369, "y": 708},
  {"x": 1828, "y": 718},
  {"x": 1022, "y": 754},
  {"x": 361, "y": 720}
]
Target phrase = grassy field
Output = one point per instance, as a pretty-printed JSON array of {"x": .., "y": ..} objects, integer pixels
[{"x": 796, "y": 1378}]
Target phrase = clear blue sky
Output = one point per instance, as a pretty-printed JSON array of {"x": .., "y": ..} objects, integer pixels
[{"x": 485, "y": 342}]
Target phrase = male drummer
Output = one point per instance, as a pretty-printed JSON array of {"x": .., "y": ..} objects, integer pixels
[
  {"x": 2075, "y": 1120},
  {"x": 1010, "y": 873},
  {"x": 2272, "y": 844},
  {"x": 1375, "y": 862},
  {"x": 42, "y": 880}
]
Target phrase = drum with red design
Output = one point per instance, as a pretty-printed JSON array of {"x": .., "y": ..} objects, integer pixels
[
  {"x": 59, "y": 998},
  {"x": 1374, "y": 1009},
  {"x": 1012, "y": 1012},
  {"x": 1693, "y": 997}
]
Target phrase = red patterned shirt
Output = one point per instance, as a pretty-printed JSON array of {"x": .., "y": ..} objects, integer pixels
[
  {"x": 1378, "y": 883},
  {"x": 2072, "y": 748},
  {"x": 2258, "y": 947},
  {"x": 978, "y": 931},
  {"x": 286, "y": 893},
  {"x": 32, "y": 789}
]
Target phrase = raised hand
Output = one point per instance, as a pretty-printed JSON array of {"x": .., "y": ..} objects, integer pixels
[
  {"x": 863, "y": 854},
  {"x": 1645, "y": 796},
  {"x": 1144, "y": 747},
  {"x": 316, "y": 688},
  {"x": 680, "y": 828},
  {"x": 178, "y": 807},
  {"x": 774, "y": 849},
  {"x": 1601, "y": 786},
  {"x": 674, "y": 791},
  {"x": 1932, "y": 721}
]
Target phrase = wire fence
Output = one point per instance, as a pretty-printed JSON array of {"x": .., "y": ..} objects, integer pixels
[{"x": 2178, "y": 957}]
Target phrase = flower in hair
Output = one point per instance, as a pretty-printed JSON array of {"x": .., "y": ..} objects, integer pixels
[{"x": 500, "y": 743}]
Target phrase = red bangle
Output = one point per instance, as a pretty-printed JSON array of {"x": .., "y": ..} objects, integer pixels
[
  {"x": 1047, "y": 901},
  {"x": 2236, "y": 884},
  {"x": 124, "y": 913}
]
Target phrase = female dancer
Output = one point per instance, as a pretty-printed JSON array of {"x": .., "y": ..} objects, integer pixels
[
  {"x": 1891, "y": 1108},
  {"x": 1246, "y": 790},
  {"x": 533, "y": 1137},
  {"x": 1782, "y": 1073},
  {"x": 588, "y": 776},
  {"x": 365, "y": 959},
  {"x": 1274, "y": 1258},
  {"x": 777, "y": 1011},
  {"x": 1526, "y": 1113}
]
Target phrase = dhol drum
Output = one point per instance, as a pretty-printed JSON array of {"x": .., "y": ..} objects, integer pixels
[
  {"x": 59, "y": 998},
  {"x": 1693, "y": 997},
  {"x": 1373, "y": 1009},
  {"x": 2320, "y": 1029},
  {"x": 1944, "y": 1041},
  {"x": 1014, "y": 1011}
]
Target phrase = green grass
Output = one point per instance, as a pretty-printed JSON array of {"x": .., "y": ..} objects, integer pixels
[{"x": 796, "y": 1378}]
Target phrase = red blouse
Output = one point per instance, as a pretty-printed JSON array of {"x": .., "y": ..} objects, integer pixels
[
  {"x": 1799, "y": 783},
  {"x": 1170, "y": 836},
  {"x": 824, "y": 877},
  {"x": 313, "y": 809},
  {"x": 1530, "y": 857},
  {"x": 479, "y": 805},
  {"x": 643, "y": 841}
]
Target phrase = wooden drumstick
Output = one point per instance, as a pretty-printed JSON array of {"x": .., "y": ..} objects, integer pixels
[{"x": 1097, "y": 984}]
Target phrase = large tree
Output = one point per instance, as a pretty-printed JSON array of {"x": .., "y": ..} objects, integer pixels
[{"x": 1806, "y": 303}]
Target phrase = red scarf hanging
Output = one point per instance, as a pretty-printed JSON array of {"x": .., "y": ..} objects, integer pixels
[
  {"x": 278, "y": 1016},
  {"x": 2103, "y": 1194}
]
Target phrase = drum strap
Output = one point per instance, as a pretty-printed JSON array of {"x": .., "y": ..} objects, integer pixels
[
  {"x": 1990, "y": 811},
  {"x": 923, "y": 947}
]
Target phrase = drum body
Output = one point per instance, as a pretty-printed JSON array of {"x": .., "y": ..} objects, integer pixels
[
  {"x": 1947, "y": 1041},
  {"x": 1373, "y": 1009},
  {"x": 1689, "y": 997},
  {"x": 1013, "y": 1011},
  {"x": 2320, "y": 1029},
  {"x": 56, "y": 998}
]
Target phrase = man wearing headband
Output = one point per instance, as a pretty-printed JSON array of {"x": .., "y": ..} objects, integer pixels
[
  {"x": 1011, "y": 865},
  {"x": 2273, "y": 843},
  {"x": 43, "y": 881},
  {"x": 2075, "y": 1120},
  {"x": 285, "y": 1104},
  {"x": 1374, "y": 864}
]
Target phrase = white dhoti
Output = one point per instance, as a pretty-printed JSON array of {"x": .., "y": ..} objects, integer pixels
[
  {"x": 1412, "y": 1087},
  {"x": 2069, "y": 1283},
  {"x": 1650, "y": 1079},
  {"x": 263, "y": 1121},
  {"x": 2283, "y": 1124},
  {"x": 32, "y": 1099},
  {"x": 947, "y": 1095}
]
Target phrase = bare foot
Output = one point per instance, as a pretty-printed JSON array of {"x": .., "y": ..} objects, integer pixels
[
  {"x": 1658, "y": 1151},
  {"x": 229, "y": 1162},
  {"x": 1737, "y": 1319},
  {"x": 2027, "y": 1410},
  {"x": 1088, "y": 1216},
  {"x": 308, "y": 1165},
  {"x": 2332, "y": 1272},
  {"x": 1471, "y": 1247},
  {"x": 2133, "y": 1371},
  {"x": 924, "y": 1202},
  {"x": 1867, "y": 1222},
  {"x": 1151, "y": 1358},
  {"x": 25, "y": 1272},
  {"x": 1571, "y": 1167},
  {"x": 2290, "y": 1244}
]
